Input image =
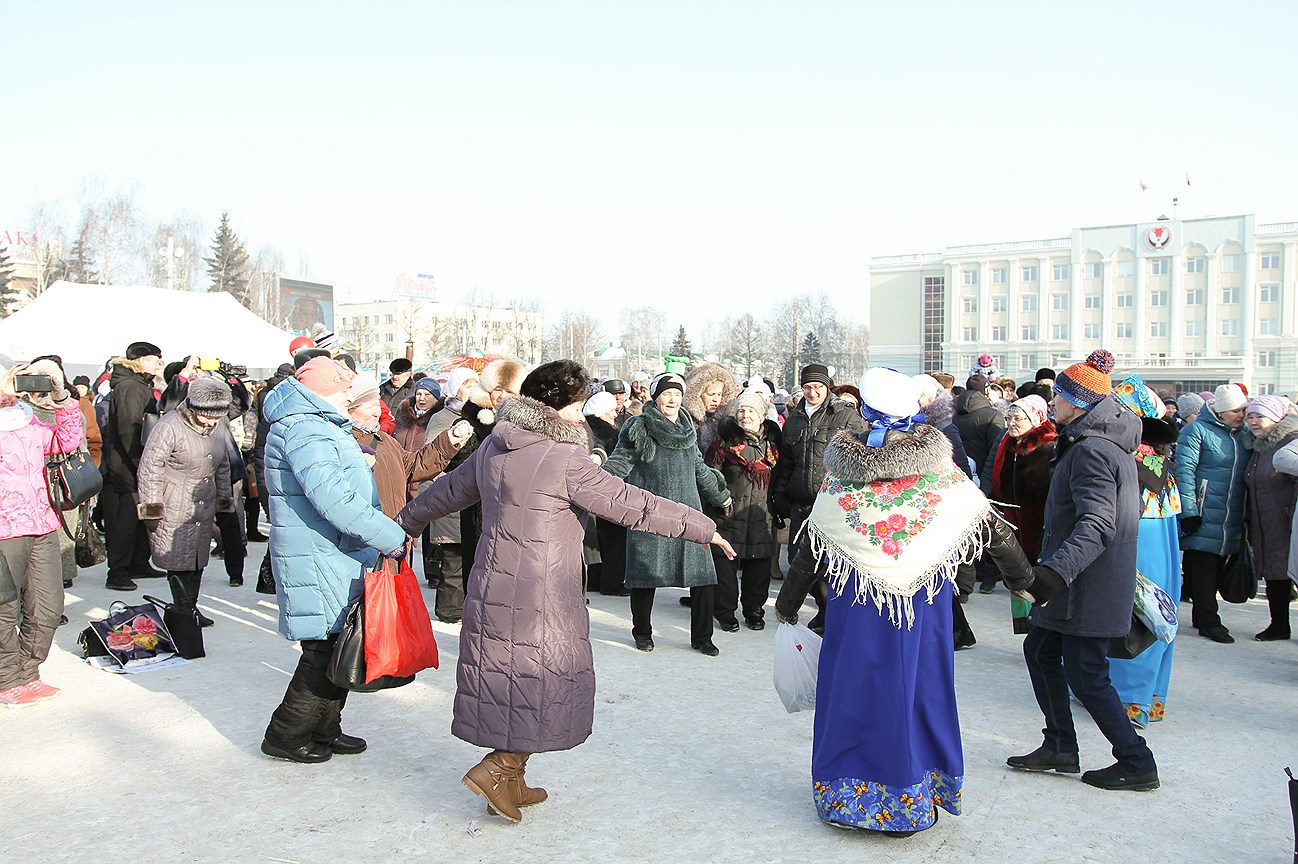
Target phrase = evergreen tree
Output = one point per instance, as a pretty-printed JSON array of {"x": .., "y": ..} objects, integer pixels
[
  {"x": 77, "y": 266},
  {"x": 681, "y": 344},
  {"x": 228, "y": 266},
  {"x": 8, "y": 294},
  {"x": 810, "y": 349}
]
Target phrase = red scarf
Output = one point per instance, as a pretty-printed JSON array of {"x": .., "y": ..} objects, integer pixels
[
  {"x": 1022, "y": 446},
  {"x": 758, "y": 470}
]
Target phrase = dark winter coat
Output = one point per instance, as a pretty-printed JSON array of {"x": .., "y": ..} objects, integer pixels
[
  {"x": 1271, "y": 499},
  {"x": 1210, "y": 463},
  {"x": 1020, "y": 476},
  {"x": 1091, "y": 519},
  {"x": 748, "y": 527},
  {"x": 131, "y": 399},
  {"x": 661, "y": 457},
  {"x": 184, "y": 481},
  {"x": 980, "y": 424},
  {"x": 263, "y": 425},
  {"x": 398, "y": 470},
  {"x": 801, "y": 468},
  {"x": 394, "y": 396},
  {"x": 525, "y": 679},
  {"x": 605, "y": 433},
  {"x": 940, "y": 414},
  {"x": 482, "y": 417}
]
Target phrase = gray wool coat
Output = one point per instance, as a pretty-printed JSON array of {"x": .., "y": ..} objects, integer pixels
[
  {"x": 662, "y": 457},
  {"x": 184, "y": 479},
  {"x": 1271, "y": 499},
  {"x": 525, "y": 680}
]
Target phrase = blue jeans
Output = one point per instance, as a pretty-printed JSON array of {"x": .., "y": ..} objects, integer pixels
[{"x": 1058, "y": 662}]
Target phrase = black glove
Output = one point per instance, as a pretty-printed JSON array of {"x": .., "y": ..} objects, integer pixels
[
  {"x": 779, "y": 522},
  {"x": 400, "y": 554},
  {"x": 1189, "y": 524},
  {"x": 1046, "y": 583},
  {"x": 782, "y": 506}
]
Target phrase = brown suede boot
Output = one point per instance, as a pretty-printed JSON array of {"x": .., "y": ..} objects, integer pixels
[
  {"x": 492, "y": 779},
  {"x": 519, "y": 792}
]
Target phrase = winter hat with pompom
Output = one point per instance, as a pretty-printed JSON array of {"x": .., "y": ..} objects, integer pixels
[{"x": 1086, "y": 384}]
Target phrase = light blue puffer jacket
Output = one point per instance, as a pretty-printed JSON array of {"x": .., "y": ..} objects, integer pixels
[
  {"x": 1210, "y": 463},
  {"x": 326, "y": 525}
]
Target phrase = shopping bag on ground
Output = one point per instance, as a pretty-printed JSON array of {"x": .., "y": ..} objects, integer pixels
[
  {"x": 797, "y": 657},
  {"x": 1156, "y": 608},
  {"x": 132, "y": 636},
  {"x": 399, "y": 637}
]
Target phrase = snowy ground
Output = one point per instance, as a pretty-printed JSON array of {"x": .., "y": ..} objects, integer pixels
[{"x": 692, "y": 758}]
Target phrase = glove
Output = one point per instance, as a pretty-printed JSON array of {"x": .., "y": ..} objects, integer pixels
[
  {"x": 400, "y": 554},
  {"x": 779, "y": 522},
  {"x": 1190, "y": 524},
  {"x": 1046, "y": 583},
  {"x": 369, "y": 451},
  {"x": 51, "y": 369},
  {"x": 782, "y": 506}
]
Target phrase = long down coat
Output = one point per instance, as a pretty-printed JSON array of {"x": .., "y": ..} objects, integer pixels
[
  {"x": 525, "y": 680},
  {"x": 1210, "y": 463}
]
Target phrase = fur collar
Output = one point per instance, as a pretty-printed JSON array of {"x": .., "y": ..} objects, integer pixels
[
  {"x": 940, "y": 411},
  {"x": 700, "y": 379},
  {"x": 731, "y": 434},
  {"x": 1042, "y": 433},
  {"x": 188, "y": 418},
  {"x": 904, "y": 454},
  {"x": 1273, "y": 437},
  {"x": 128, "y": 365},
  {"x": 537, "y": 417},
  {"x": 405, "y": 414},
  {"x": 1157, "y": 433},
  {"x": 15, "y": 416}
]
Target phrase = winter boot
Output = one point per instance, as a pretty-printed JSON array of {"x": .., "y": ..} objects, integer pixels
[
  {"x": 522, "y": 794},
  {"x": 252, "y": 511},
  {"x": 492, "y": 778},
  {"x": 184, "y": 593}
]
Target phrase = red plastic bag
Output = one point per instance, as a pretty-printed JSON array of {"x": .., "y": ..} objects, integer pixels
[{"x": 398, "y": 632}]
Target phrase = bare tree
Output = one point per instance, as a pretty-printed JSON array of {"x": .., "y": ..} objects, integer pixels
[
  {"x": 642, "y": 336},
  {"x": 746, "y": 345},
  {"x": 111, "y": 235},
  {"x": 575, "y": 336},
  {"x": 175, "y": 253},
  {"x": 358, "y": 340},
  {"x": 522, "y": 338},
  {"x": 263, "y": 284},
  {"x": 49, "y": 245}
]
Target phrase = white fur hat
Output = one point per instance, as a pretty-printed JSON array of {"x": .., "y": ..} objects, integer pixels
[
  {"x": 600, "y": 403},
  {"x": 928, "y": 386},
  {"x": 889, "y": 392}
]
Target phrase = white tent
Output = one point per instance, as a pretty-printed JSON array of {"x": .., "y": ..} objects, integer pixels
[{"x": 87, "y": 324}]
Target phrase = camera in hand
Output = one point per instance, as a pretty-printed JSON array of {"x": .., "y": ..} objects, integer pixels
[
  {"x": 226, "y": 370},
  {"x": 33, "y": 383}
]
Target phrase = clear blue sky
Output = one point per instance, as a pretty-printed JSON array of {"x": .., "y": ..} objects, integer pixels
[{"x": 710, "y": 157}]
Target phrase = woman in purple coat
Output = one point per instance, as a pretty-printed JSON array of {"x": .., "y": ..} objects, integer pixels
[{"x": 525, "y": 680}]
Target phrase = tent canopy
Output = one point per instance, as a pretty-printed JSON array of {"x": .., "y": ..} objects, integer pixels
[{"x": 88, "y": 324}]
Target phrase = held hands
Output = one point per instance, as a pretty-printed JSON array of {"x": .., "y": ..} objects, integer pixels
[
  {"x": 402, "y": 551},
  {"x": 459, "y": 433},
  {"x": 1045, "y": 584},
  {"x": 723, "y": 544}
]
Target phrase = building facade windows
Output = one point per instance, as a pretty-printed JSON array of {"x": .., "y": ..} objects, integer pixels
[
  {"x": 1268, "y": 327},
  {"x": 1230, "y": 327},
  {"x": 1193, "y": 328},
  {"x": 1126, "y": 269},
  {"x": 1060, "y": 273},
  {"x": 1000, "y": 303},
  {"x": 998, "y": 332},
  {"x": 1268, "y": 293},
  {"x": 1030, "y": 273},
  {"x": 1122, "y": 330},
  {"x": 1270, "y": 261},
  {"x": 1090, "y": 331},
  {"x": 1058, "y": 331},
  {"x": 934, "y": 321},
  {"x": 1091, "y": 301},
  {"x": 1159, "y": 266},
  {"x": 1029, "y": 332},
  {"x": 1000, "y": 275},
  {"x": 969, "y": 305},
  {"x": 1229, "y": 296},
  {"x": 1029, "y": 302},
  {"x": 1265, "y": 359},
  {"x": 1196, "y": 265},
  {"x": 1194, "y": 296},
  {"x": 971, "y": 277},
  {"x": 1157, "y": 329},
  {"x": 1230, "y": 263},
  {"x": 1125, "y": 301},
  {"x": 1059, "y": 302},
  {"x": 970, "y": 334},
  {"x": 1158, "y": 298},
  {"x": 1095, "y": 270}
]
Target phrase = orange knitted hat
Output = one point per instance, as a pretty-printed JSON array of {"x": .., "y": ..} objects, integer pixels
[{"x": 1085, "y": 384}]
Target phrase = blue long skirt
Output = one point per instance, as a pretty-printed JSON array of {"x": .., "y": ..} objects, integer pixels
[
  {"x": 886, "y": 751},
  {"x": 1142, "y": 683}
]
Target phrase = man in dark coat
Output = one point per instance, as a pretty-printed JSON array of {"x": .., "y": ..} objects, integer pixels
[
  {"x": 801, "y": 465},
  {"x": 400, "y": 386},
  {"x": 1082, "y": 590},
  {"x": 979, "y": 422},
  {"x": 130, "y": 401}
]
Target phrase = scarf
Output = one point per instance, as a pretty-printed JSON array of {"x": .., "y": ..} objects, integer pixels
[
  {"x": 881, "y": 424},
  {"x": 661, "y": 432},
  {"x": 757, "y": 470},
  {"x": 1158, "y": 490},
  {"x": 871, "y": 532},
  {"x": 372, "y": 430}
]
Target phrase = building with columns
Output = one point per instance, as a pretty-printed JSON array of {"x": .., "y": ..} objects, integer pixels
[{"x": 1186, "y": 304}]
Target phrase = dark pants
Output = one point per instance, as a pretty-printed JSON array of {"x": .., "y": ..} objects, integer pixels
[
  {"x": 232, "y": 543},
  {"x": 701, "y": 600},
  {"x": 185, "y": 585},
  {"x": 612, "y": 554},
  {"x": 1277, "y": 599},
  {"x": 964, "y": 634},
  {"x": 1202, "y": 570},
  {"x": 1058, "y": 662},
  {"x": 755, "y": 591},
  {"x": 33, "y": 592},
  {"x": 820, "y": 591},
  {"x": 312, "y": 706},
  {"x": 127, "y": 541},
  {"x": 449, "y": 563}
]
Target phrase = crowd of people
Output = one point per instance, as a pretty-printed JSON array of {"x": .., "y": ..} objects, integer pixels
[{"x": 523, "y": 490}]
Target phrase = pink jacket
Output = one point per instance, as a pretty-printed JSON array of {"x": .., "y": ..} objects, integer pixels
[{"x": 24, "y": 443}]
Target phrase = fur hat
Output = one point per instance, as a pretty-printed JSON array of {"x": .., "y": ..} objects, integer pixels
[
  {"x": 501, "y": 372},
  {"x": 815, "y": 373},
  {"x": 399, "y": 365},
  {"x": 976, "y": 382},
  {"x": 456, "y": 380},
  {"x": 1228, "y": 397},
  {"x": 1034, "y": 407},
  {"x": 556, "y": 384},
  {"x": 208, "y": 397},
  {"x": 946, "y": 379},
  {"x": 889, "y": 392},
  {"x": 1189, "y": 405},
  {"x": 1267, "y": 406},
  {"x": 325, "y": 377},
  {"x": 136, "y": 350},
  {"x": 665, "y": 382},
  {"x": 599, "y": 404},
  {"x": 429, "y": 384},
  {"x": 700, "y": 379},
  {"x": 1043, "y": 373},
  {"x": 929, "y": 388},
  {"x": 1085, "y": 384},
  {"x": 364, "y": 388}
]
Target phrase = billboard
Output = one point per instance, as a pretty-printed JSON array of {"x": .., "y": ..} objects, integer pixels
[
  {"x": 20, "y": 245},
  {"x": 419, "y": 286},
  {"x": 303, "y": 303}
]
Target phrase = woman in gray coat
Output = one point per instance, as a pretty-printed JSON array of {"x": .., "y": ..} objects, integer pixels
[
  {"x": 184, "y": 481},
  {"x": 525, "y": 679},
  {"x": 1271, "y": 499}
]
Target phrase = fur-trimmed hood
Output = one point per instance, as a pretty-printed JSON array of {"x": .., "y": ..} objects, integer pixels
[
  {"x": 521, "y": 414},
  {"x": 904, "y": 454},
  {"x": 699, "y": 379},
  {"x": 121, "y": 369},
  {"x": 941, "y": 410},
  {"x": 1273, "y": 437}
]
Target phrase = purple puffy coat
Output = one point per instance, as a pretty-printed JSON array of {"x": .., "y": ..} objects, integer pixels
[{"x": 525, "y": 680}]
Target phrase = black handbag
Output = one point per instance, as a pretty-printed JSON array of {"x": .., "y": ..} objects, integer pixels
[
  {"x": 89, "y": 545},
  {"x": 265, "y": 576},
  {"x": 1129, "y": 647},
  {"x": 184, "y": 627},
  {"x": 1237, "y": 583},
  {"x": 347, "y": 664},
  {"x": 73, "y": 479}
]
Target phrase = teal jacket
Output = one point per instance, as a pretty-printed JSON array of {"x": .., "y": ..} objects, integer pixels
[
  {"x": 326, "y": 524},
  {"x": 1210, "y": 463}
]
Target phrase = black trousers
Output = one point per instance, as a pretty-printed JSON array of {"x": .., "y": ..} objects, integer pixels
[
  {"x": 185, "y": 585},
  {"x": 1058, "y": 662},
  {"x": 753, "y": 591},
  {"x": 1277, "y": 600},
  {"x": 312, "y": 706},
  {"x": 232, "y": 542},
  {"x": 959, "y": 623},
  {"x": 701, "y": 600},
  {"x": 1201, "y": 570},
  {"x": 449, "y": 563},
  {"x": 612, "y": 554},
  {"x": 820, "y": 591},
  {"x": 126, "y": 539}
]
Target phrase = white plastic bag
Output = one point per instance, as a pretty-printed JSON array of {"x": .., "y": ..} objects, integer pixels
[
  {"x": 797, "y": 657},
  {"x": 1155, "y": 608}
]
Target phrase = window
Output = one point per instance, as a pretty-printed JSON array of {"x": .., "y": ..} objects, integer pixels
[
  {"x": 387, "y": 337},
  {"x": 344, "y": 322},
  {"x": 1159, "y": 266},
  {"x": 1123, "y": 330},
  {"x": 970, "y": 334},
  {"x": 1229, "y": 295},
  {"x": 1230, "y": 263},
  {"x": 1158, "y": 298},
  {"x": 1193, "y": 296},
  {"x": 1091, "y": 301},
  {"x": 1058, "y": 301},
  {"x": 1193, "y": 328},
  {"x": 1000, "y": 275},
  {"x": 1060, "y": 273},
  {"x": 1269, "y": 293},
  {"x": 387, "y": 319},
  {"x": 1268, "y": 327},
  {"x": 1266, "y": 359},
  {"x": 969, "y": 305},
  {"x": 1125, "y": 301},
  {"x": 998, "y": 332},
  {"x": 1000, "y": 303},
  {"x": 1091, "y": 331},
  {"x": 376, "y": 319},
  {"x": 1029, "y": 332},
  {"x": 1058, "y": 331},
  {"x": 1270, "y": 261},
  {"x": 1230, "y": 327},
  {"x": 1029, "y": 302},
  {"x": 1030, "y": 273},
  {"x": 971, "y": 277},
  {"x": 1095, "y": 270},
  {"x": 1266, "y": 389},
  {"x": 1027, "y": 362},
  {"x": 1195, "y": 265},
  {"x": 1126, "y": 269},
  {"x": 934, "y": 321},
  {"x": 1158, "y": 329}
]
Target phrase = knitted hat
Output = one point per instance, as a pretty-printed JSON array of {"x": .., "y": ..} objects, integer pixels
[
  {"x": 976, "y": 382},
  {"x": 753, "y": 399},
  {"x": 1267, "y": 406},
  {"x": 325, "y": 377},
  {"x": 928, "y": 387},
  {"x": 889, "y": 392},
  {"x": 81, "y": 380},
  {"x": 429, "y": 384},
  {"x": 1228, "y": 397},
  {"x": 454, "y": 381},
  {"x": 640, "y": 378},
  {"x": 601, "y": 403},
  {"x": 815, "y": 373},
  {"x": 365, "y": 388},
  {"x": 1189, "y": 404},
  {"x": 209, "y": 397},
  {"x": 758, "y": 384},
  {"x": 1086, "y": 384},
  {"x": 136, "y": 350},
  {"x": 399, "y": 365},
  {"x": 615, "y": 386},
  {"x": 1033, "y": 406},
  {"x": 323, "y": 337},
  {"x": 666, "y": 381}
]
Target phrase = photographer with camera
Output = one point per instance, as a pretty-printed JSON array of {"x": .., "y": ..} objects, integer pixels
[
  {"x": 130, "y": 401},
  {"x": 29, "y": 527}
]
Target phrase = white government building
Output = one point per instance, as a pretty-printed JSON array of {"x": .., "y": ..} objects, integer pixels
[{"x": 1187, "y": 304}]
